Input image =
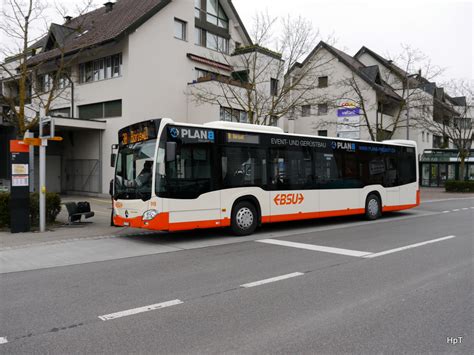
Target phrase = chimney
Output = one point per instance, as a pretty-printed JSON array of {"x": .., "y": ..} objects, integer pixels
[
  {"x": 109, "y": 6},
  {"x": 67, "y": 19}
]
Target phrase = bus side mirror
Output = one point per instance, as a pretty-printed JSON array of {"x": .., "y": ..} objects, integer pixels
[
  {"x": 170, "y": 151},
  {"x": 111, "y": 188},
  {"x": 113, "y": 156}
]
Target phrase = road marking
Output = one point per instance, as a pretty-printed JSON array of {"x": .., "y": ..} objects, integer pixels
[
  {"x": 273, "y": 279},
  {"x": 457, "y": 209},
  {"x": 315, "y": 247},
  {"x": 447, "y": 199},
  {"x": 374, "y": 255},
  {"x": 464, "y": 209},
  {"x": 132, "y": 311},
  {"x": 445, "y": 211},
  {"x": 3, "y": 340}
]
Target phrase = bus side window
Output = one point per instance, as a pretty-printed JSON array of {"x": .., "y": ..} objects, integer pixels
[
  {"x": 278, "y": 169},
  {"x": 406, "y": 166},
  {"x": 300, "y": 175},
  {"x": 243, "y": 166},
  {"x": 189, "y": 175},
  {"x": 327, "y": 172},
  {"x": 391, "y": 172},
  {"x": 372, "y": 168}
]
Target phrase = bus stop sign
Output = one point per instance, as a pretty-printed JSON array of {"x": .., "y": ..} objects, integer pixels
[{"x": 47, "y": 128}]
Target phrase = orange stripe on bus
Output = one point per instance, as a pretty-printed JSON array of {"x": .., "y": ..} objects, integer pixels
[
  {"x": 181, "y": 226},
  {"x": 398, "y": 207},
  {"x": 161, "y": 222}
]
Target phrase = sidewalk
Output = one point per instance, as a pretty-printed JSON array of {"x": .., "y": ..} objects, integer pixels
[
  {"x": 438, "y": 193},
  {"x": 98, "y": 227}
]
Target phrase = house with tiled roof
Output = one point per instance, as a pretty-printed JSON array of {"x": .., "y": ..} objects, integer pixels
[
  {"x": 126, "y": 62},
  {"x": 366, "y": 96},
  {"x": 426, "y": 101},
  {"x": 353, "y": 99}
]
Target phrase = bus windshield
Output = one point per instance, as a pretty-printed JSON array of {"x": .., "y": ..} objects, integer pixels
[{"x": 133, "y": 176}]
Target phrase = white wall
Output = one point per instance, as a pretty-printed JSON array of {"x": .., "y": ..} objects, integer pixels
[{"x": 335, "y": 94}]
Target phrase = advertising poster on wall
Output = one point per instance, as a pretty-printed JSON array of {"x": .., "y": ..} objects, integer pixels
[{"x": 348, "y": 127}]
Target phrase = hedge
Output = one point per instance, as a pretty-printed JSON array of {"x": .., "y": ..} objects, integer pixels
[
  {"x": 459, "y": 186},
  {"x": 53, "y": 207}
]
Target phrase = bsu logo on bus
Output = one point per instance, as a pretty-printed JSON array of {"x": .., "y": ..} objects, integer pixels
[{"x": 288, "y": 199}]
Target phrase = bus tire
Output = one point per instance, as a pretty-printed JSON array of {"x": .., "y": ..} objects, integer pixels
[
  {"x": 244, "y": 218},
  {"x": 373, "y": 207}
]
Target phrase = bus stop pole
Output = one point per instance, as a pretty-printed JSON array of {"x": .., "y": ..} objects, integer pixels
[{"x": 42, "y": 184}]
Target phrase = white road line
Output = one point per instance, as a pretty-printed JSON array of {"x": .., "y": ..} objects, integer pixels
[
  {"x": 315, "y": 247},
  {"x": 273, "y": 279},
  {"x": 3, "y": 340},
  {"x": 456, "y": 210},
  {"x": 445, "y": 211},
  {"x": 464, "y": 209},
  {"x": 374, "y": 255},
  {"x": 130, "y": 312}
]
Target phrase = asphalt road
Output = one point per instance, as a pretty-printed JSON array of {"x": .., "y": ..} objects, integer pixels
[{"x": 402, "y": 284}]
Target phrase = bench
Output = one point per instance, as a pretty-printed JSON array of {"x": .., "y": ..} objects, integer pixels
[{"x": 77, "y": 210}]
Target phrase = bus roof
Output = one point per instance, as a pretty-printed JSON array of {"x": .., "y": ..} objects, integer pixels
[{"x": 247, "y": 127}]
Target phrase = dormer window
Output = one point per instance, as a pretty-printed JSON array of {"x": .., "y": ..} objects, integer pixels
[
  {"x": 211, "y": 12},
  {"x": 216, "y": 15}
]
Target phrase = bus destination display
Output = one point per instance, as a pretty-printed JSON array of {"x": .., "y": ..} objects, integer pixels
[
  {"x": 242, "y": 138},
  {"x": 137, "y": 133}
]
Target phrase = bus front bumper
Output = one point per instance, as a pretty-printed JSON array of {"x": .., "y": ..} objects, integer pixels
[{"x": 159, "y": 222}]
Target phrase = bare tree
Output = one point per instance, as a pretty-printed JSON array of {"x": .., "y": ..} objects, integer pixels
[
  {"x": 19, "y": 17},
  {"x": 453, "y": 120},
  {"x": 361, "y": 95},
  {"x": 261, "y": 84},
  {"x": 411, "y": 72},
  {"x": 22, "y": 20},
  {"x": 401, "y": 92}
]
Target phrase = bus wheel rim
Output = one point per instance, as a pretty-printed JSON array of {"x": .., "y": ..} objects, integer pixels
[
  {"x": 244, "y": 218},
  {"x": 373, "y": 207}
]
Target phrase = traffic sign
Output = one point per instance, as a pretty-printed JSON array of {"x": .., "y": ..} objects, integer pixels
[{"x": 47, "y": 128}]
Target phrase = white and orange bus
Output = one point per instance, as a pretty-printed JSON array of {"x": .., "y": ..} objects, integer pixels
[{"x": 171, "y": 176}]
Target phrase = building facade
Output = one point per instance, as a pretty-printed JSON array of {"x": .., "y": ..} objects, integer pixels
[
  {"x": 126, "y": 62},
  {"x": 123, "y": 63},
  {"x": 366, "y": 96}
]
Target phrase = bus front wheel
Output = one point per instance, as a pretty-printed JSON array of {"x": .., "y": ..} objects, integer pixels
[
  {"x": 244, "y": 218},
  {"x": 373, "y": 209}
]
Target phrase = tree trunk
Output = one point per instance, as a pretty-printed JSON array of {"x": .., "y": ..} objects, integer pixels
[{"x": 462, "y": 165}]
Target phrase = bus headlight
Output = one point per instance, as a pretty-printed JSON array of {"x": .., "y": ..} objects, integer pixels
[{"x": 149, "y": 215}]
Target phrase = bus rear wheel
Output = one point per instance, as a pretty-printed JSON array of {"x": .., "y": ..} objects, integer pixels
[
  {"x": 373, "y": 209},
  {"x": 244, "y": 218}
]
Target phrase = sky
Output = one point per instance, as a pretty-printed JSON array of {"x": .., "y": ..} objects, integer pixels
[{"x": 442, "y": 29}]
